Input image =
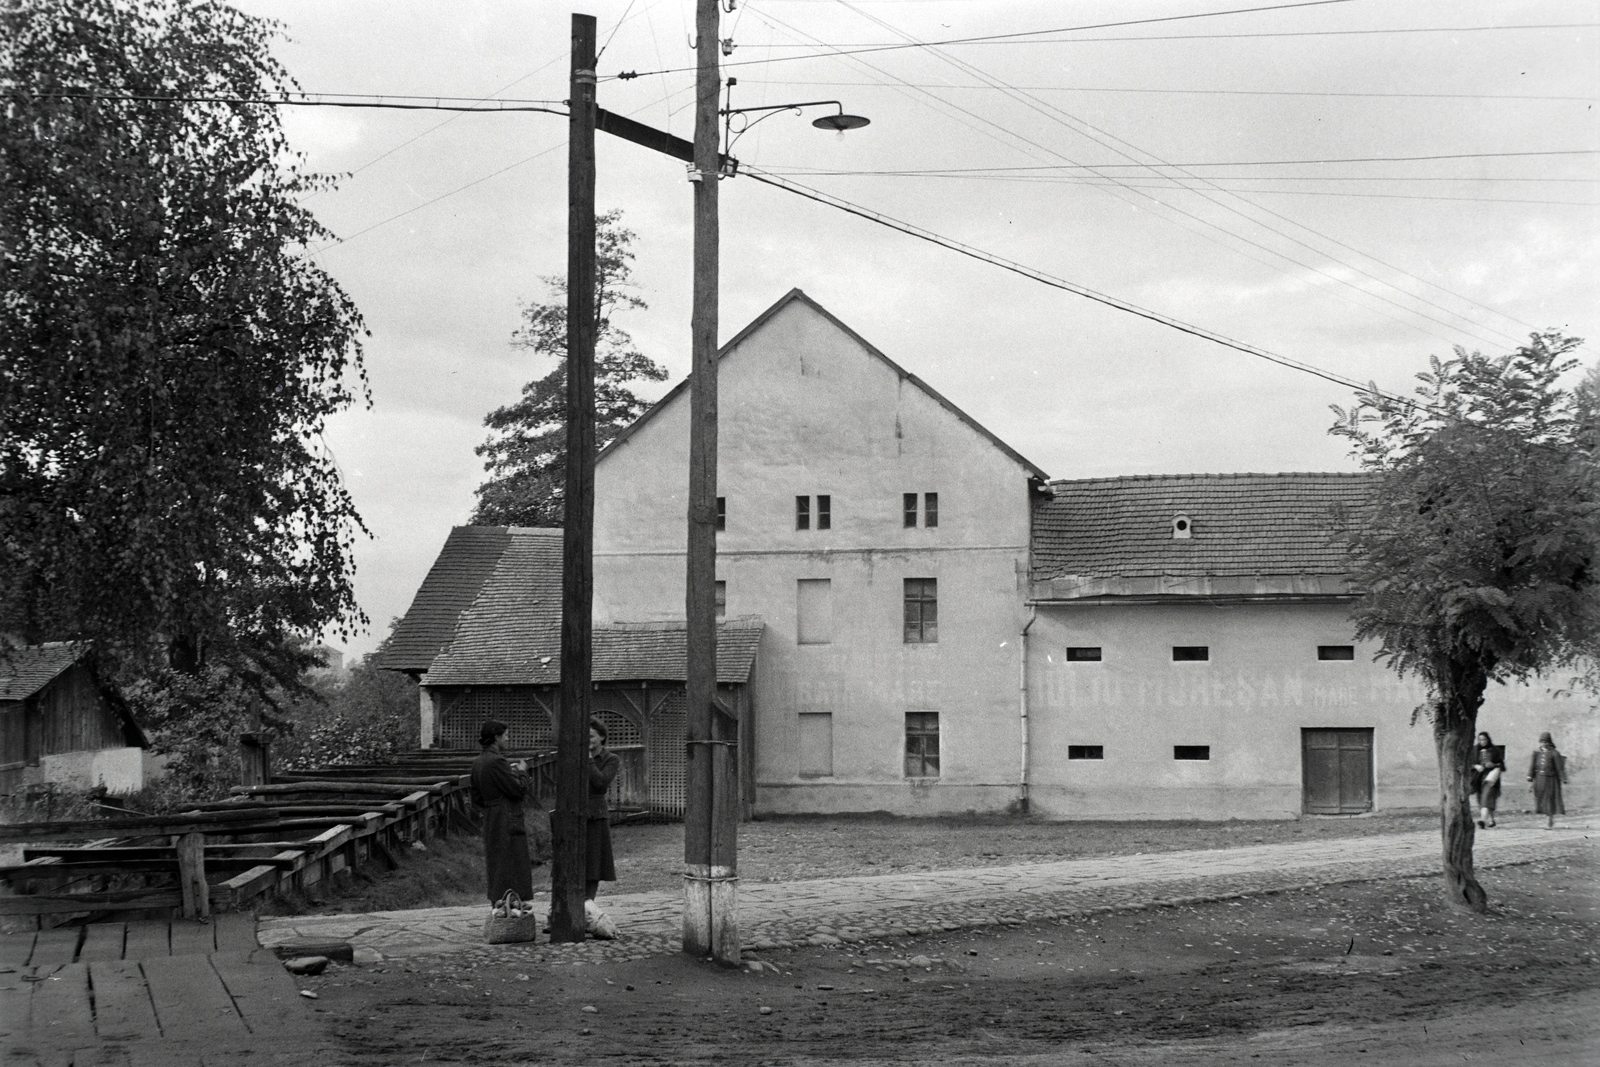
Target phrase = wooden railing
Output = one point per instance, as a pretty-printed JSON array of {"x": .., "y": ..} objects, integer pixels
[{"x": 286, "y": 835}]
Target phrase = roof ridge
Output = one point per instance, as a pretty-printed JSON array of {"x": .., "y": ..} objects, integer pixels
[{"x": 1219, "y": 476}]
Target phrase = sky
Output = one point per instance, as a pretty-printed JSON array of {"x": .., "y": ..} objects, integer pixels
[{"x": 1254, "y": 173}]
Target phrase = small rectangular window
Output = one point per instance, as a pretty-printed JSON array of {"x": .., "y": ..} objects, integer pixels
[
  {"x": 1336, "y": 651},
  {"x": 824, "y": 512},
  {"x": 930, "y": 509},
  {"x": 908, "y": 506},
  {"x": 922, "y": 744},
  {"x": 1083, "y": 654},
  {"x": 722, "y": 599},
  {"x": 1086, "y": 752},
  {"x": 816, "y": 744},
  {"x": 922, "y": 611},
  {"x": 814, "y": 611},
  {"x": 722, "y": 513},
  {"x": 1191, "y": 752},
  {"x": 1190, "y": 653},
  {"x": 802, "y": 513}
]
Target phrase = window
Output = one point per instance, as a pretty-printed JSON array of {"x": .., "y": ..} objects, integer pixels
[
  {"x": 1086, "y": 752},
  {"x": 1336, "y": 651},
  {"x": 922, "y": 611},
  {"x": 824, "y": 512},
  {"x": 816, "y": 744},
  {"x": 722, "y": 513},
  {"x": 1191, "y": 752},
  {"x": 922, "y": 744},
  {"x": 1190, "y": 653},
  {"x": 1182, "y": 527},
  {"x": 722, "y": 599},
  {"x": 802, "y": 513},
  {"x": 930, "y": 509},
  {"x": 908, "y": 504},
  {"x": 1083, "y": 654},
  {"x": 814, "y": 611},
  {"x": 908, "y": 509}
]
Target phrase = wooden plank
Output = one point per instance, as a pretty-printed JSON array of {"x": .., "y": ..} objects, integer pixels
[
  {"x": 62, "y": 1013},
  {"x": 103, "y": 1056},
  {"x": 236, "y": 932},
  {"x": 191, "y": 850},
  {"x": 191, "y": 1002},
  {"x": 122, "y": 1009},
  {"x": 266, "y": 996},
  {"x": 15, "y": 949},
  {"x": 193, "y": 938},
  {"x": 353, "y": 787},
  {"x": 144, "y": 826},
  {"x": 147, "y": 939},
  {"x": 69, "y": 903},
  {"x": 57, "y": 946},
  {"x": 102, "y": 941}
]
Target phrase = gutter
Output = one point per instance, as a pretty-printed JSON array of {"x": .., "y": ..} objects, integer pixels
[{"x": 1022, "y": 694}]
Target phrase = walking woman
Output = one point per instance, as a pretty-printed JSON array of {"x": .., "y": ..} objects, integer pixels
[
  {"x": 1547, "y": 772},
  {"x": 1488, "y": 768},
  {"x": 603, "y": 767},
  {"x": 499, "y": 787}
]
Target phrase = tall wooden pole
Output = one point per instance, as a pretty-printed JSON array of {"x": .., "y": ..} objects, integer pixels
[
  {"x": 704, "y": 912},
  {"x": 577, "y": 571}
]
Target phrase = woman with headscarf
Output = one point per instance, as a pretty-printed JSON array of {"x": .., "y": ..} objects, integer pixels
[
  {"x": 499, "y": 787},
  {"x": 603, "y": 767},
  {"x": 1547, "y": 771},
  {"x": 1488, "y": 768}
]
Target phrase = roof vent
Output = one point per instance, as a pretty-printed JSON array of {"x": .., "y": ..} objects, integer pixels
[{"x": 1182, "y": 528}]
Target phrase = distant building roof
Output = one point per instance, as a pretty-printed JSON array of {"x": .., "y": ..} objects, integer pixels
[
  {"x": 27, "y": 669},
  {"x": 469, "y": 556},
  {"x": 509, "y": 632},
  {"x": 1247, "y": 534}
]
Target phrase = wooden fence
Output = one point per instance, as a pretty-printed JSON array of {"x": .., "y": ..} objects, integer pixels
[{"x": 281, "y": 836}]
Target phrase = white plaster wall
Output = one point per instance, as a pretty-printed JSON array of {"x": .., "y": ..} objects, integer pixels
[
  {"x": 120, "y": 770},
  {"x": 806, "y": 410},
  {"x": 1249, "y": 702}
]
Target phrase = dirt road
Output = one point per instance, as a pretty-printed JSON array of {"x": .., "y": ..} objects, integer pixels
[{"x": 1374, "y": 972}]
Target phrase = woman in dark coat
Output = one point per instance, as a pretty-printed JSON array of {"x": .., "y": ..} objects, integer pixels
[
  {"x": 498, "y": 787},
  {"x": 603, "y": 767},
  {"x": 1547, "y": 771},
  {"x": 1488, "y": 768}
]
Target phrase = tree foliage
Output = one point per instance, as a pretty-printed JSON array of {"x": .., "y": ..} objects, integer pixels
[
  {"x": 1478, "y": 556},
  {"x": 169, "y": 352},
  {"x": 525, "y": 454}
]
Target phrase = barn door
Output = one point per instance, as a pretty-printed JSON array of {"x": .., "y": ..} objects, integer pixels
[{"x": 1337, "y": 770}]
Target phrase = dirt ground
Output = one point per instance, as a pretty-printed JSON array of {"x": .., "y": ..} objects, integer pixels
[{"x": 1376, "y": 972}]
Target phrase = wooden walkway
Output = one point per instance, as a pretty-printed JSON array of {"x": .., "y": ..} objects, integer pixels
[{"x": 176, "y": 993}]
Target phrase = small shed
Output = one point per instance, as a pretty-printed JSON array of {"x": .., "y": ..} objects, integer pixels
[{"x": 59, "y": 724}]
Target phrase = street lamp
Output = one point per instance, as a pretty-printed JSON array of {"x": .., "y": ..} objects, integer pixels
[{"x": 838, "y": 123}]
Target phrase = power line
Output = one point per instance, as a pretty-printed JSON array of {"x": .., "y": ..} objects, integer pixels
[
  {"x": 1018, "y": 35},
  {"x": 1202, "y": 92},
  {"x": 346, "y": 100},
  {"x": 1252, "y": 162},
  {"x": 982, "y": 256}
]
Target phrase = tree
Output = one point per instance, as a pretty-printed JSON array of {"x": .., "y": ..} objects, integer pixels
[
  {"x": 525, "y": 454},
  {"x": 169, "y": 351},
  {"x": 1477, "y": 558}
]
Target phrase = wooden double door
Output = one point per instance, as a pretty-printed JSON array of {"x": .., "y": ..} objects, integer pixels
[{"x": 1336, "y": 769}]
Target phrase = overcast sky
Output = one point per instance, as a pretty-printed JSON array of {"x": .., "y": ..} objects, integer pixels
[{"x": 1022, "y": 147}]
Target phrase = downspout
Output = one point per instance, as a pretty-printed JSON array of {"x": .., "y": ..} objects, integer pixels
[{"x": 1022, "y": 696}]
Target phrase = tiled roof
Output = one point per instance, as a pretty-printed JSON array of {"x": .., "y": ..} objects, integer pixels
[
  {"x": 466, "y": 561},
  {"x": 26, "y": 670},
  {"x": 1243, "y": 526},
  {"x": 510, "y": 634}
]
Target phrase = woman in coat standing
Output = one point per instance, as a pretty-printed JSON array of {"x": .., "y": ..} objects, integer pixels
[
  {"x": 603, "y": 767},
  {"x": 1488, "y": 768},
  {"x": 1547, "y": 771},
  {"x": 498, "y": 787}
]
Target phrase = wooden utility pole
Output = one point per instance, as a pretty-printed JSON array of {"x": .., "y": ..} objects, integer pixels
[
  {"x": 710, "y": 917},
  {"x": 577, "y": 570}
]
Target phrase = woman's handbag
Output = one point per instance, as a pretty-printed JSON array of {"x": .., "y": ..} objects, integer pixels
[{"x": 510, "y": 921}]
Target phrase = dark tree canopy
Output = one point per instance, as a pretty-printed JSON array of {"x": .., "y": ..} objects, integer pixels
[
  {"x": 1478, "y": 559},
  {"x": 169, "y": 351},
  {"x": 525, "y": 454}
]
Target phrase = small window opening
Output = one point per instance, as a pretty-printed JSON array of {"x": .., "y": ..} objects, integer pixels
[
  {"x": 922, "y": 744},
  {"x": 722, "y": 599},
  {"x": 1084, "y": 654},
  {"x": 930, "y": 509},
  {"x": 908, "y": 507},
  {"x": 1336, "y": 651},
  {"x": 1191, "y": 752},
  {"x": 802, "y": 513},
  {"x": 824, "y": 512},
  {"x": 1086, "y": 752},
  {"x": 1190, "y": 653},
  {"x": 1182, "y": 527},
  {"x": 722, "y": 513}
]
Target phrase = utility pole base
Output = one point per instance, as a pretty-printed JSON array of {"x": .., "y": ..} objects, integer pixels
[
  {"x": 725, "y": 915},
  {"x": 697, "y": 884}
]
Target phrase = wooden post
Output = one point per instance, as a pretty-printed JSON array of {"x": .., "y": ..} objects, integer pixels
[
  {"x": 700, "y": 917},
  {"x": 255, "y": 767},
  {"x": 577, "y": 571},
  {"x": 192, "y": 875},
  {"x": 725, "y": 835}
]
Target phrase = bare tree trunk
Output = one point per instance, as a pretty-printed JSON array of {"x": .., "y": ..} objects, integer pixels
[{"x": 1455, "y": 721}]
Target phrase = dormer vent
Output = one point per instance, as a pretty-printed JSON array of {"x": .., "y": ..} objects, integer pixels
[{"x": 1182, "y": 527}]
